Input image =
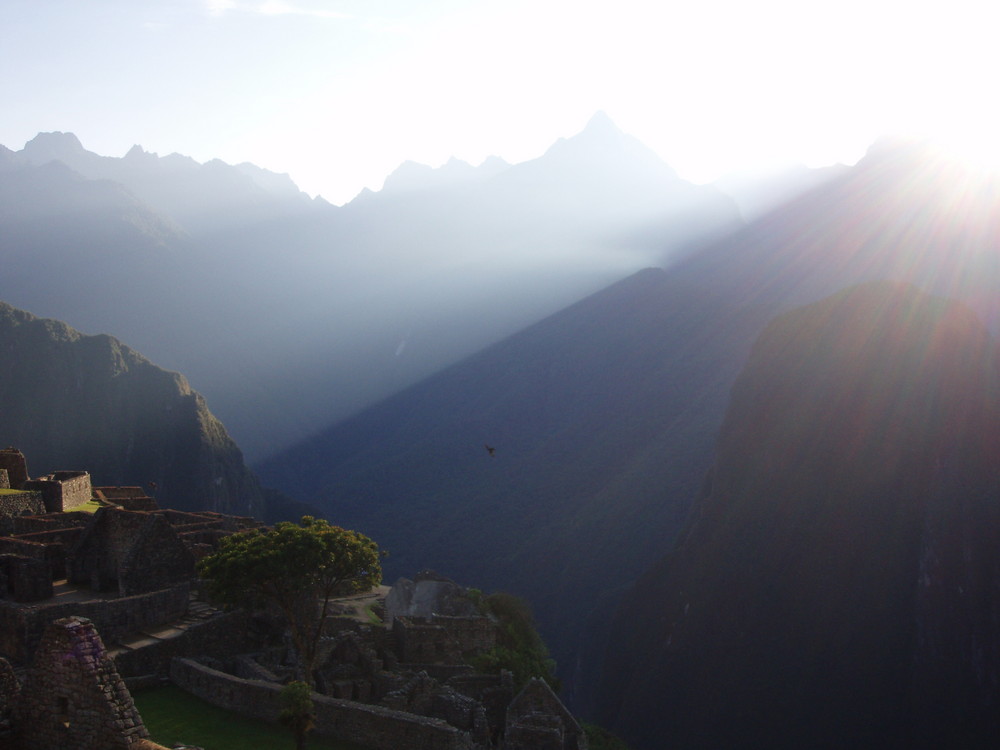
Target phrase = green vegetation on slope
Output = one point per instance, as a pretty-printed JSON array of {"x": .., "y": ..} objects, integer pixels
[
  {"x": 173, "y": 717},
  {"x": 519, "y": 647}
]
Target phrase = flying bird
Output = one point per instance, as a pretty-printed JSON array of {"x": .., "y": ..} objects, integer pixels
[{"x": 490, "y": 449}]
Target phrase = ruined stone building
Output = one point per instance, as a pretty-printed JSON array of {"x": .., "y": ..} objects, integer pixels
[
  {"x": 73, "y": 697},
  {"x": 88, "y": 600}
]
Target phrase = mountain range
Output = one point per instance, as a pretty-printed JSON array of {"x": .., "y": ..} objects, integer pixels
[
  {"x": 835, "y": 584},
  {"x": 470, "y": 367},
  {"x": 603, "y": 417},
  {"x": 289, "y": 313},
  {"x": 70, "y": 401}
]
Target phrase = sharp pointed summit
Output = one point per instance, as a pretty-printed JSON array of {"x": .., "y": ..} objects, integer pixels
[
  {"x": 601, "y": 124},
  {"x": 55, "y": 146}
]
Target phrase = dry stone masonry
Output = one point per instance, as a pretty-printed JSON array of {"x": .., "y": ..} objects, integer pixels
[
  {"x": 127, "y": 572},
  {"x": 74, "y": 698}
]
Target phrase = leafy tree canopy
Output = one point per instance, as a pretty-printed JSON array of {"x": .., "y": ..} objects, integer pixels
[
  {"x": 297, "y": 711},
  {"x": 519, "y": 648},
  {"x": 298, "y": 568}
]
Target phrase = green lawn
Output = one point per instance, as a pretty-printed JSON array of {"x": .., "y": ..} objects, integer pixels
[
  {"x": 173, "y": 716},
  {"x": 90, "y": 506}
]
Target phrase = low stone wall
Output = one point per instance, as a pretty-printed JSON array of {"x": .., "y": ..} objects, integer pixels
[
  {"x": 63, "y": 490},
  {"x": 440, "y": 639},
  {"x": 222, "y": 636},
  {"x": 24, "y": 579},
  {"x": 53, "y": 555},
  {"x": 21, "y": 503},
  {"x": 45, "y": 522},
  {"x": 21, "y": 626},
  {"x": 373, "y": 726}
]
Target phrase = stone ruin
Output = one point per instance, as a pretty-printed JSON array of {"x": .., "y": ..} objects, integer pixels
[
  {"x": 72, "y": 697},
  {"x": 13, "y": 463},
  {"x": 537, "y": 720},
  {"x": 419, "y": 667},
  {"x": 62, "y": 490},
  {"x": 127, "y": 571}
]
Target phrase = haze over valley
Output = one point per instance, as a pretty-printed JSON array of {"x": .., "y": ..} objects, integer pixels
[
  {"x": 289, "y": 313},
  {"x": 678, "y": 323}
]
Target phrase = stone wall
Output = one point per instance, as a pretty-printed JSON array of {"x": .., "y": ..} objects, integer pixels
[
  {"x": 44, "y": 522},
  {"x": 157, "y": 559},
  {"x": 129, "y": 498},
  {"x": 21, "y": 627},
  {"x": 24, "y": 579},
  {"x": 49, "y": 546},
  {"x": 21, "y": 504},
  {"x": 131, "y": 552},
  {"x": 51, "y": 555},
  {"x": 537, "y": 720},
  {"x": 62, "y": 490},
  {"x": 373, "y": 726},
  {"x": 74, "y": 698},
  {"x": 222, "y": 636},
  {"x": 17, "y": 468},
  {"x": 4, "y": 480},
  {"x": 440, "y": 639}
]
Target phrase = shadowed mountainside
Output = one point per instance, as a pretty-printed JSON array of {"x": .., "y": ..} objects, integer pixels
[
  {"x": 604, "y": 415},
  {"x": 290, "y": 314},
  {"x": 588, "y": 473},
  {"x": 70, "y": 401},
  {"x": 838, "y": 580}
]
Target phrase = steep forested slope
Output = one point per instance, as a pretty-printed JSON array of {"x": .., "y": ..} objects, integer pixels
[
  {"x": 70, "y": 401},
  {"x": 838, "y": 581},
  {"x": 603, "y": 415},
  {"x": 589, "y": 472}
]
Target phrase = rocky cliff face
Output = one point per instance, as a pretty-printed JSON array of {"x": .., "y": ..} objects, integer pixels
[
  {"x": 72, "y": 401},
  {"x": 838, "y": 581}
]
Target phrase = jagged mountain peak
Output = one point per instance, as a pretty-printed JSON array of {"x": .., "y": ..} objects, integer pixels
[
  {"x": 137, "y": 153},
  {"x": 92, "y": 402},
  {"x": 603, "y": 145},
  {"x": 412, "y": 176},
  {"x": 52, "y": 146}
]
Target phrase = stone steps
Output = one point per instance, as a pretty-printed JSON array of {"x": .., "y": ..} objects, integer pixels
[{"x": 198, "y": 611}]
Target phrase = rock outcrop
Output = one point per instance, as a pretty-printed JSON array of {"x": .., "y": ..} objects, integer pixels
[
  {"x": 838, "y": 581},
  {"x": 68, "y": 400}
]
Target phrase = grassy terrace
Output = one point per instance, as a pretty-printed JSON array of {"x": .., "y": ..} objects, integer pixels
[
  {"x": 174, "y": 717},
  {"x": 90, "y": 506}
]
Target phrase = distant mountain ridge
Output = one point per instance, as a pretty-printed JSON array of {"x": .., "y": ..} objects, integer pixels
[
  {"x": 837, "y": 582},
  {"x": 290, "y": 314},
  {"x": 70, "y": 401},
  {"x": 196, "y": 196},
  {"x": 605, "y": 414}
]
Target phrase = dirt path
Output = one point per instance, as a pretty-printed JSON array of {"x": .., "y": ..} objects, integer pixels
[{"x": 356, "y": 606}]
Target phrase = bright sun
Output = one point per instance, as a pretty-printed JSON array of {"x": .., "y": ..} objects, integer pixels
[{"x": 975, "y": 145}]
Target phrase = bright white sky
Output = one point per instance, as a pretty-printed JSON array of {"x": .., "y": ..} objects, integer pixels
[{"x": 337, "y": 93}]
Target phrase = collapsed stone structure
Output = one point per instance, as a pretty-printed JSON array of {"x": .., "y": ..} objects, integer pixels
[
  {"x": 73, "y": 696},
  {"x": 407, "y": 685},
  {"x": 127, "y": 571}
]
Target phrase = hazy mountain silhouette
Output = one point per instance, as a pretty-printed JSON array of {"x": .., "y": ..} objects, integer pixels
[
  {"x": 199, "y": 197},
  {"x": 758, "y": 191},
  {"x": 603, "y": 416},
  {"x": 837, "y": 582},
  {"x": 289, "y": 314},
  {"x": 70, "y": 401}
]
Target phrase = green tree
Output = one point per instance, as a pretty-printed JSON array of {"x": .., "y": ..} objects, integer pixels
[
  {"x": 298, "y": 568},
  {"x": 297, "y": 711},
  {"x": 519, "y": 648}
]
